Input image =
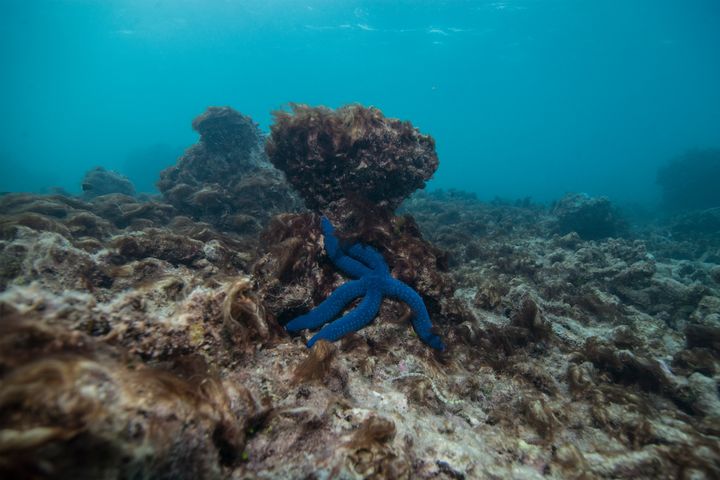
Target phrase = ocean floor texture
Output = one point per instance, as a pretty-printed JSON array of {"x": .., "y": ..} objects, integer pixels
[{"x": 143, "y": 336}]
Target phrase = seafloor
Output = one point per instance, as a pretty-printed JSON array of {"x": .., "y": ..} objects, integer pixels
[{"x": 142, "y": 336}]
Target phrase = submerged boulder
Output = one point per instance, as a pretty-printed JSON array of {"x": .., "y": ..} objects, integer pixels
[
  {"x": 99, "y": 181},
  {"x": 226, "y": 174},
  {"x": 592, "y": 218}
]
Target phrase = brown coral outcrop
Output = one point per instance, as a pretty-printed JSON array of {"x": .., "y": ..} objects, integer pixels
[
  {"x": 355, "y": 166},
  {"x": 334, "y": 158}
]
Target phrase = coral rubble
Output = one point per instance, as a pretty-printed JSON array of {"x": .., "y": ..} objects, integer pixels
[
  {"x": 74, "y": 408},
  {"x": 99, "y": 181},
  {"x": 139, "y": 342}
]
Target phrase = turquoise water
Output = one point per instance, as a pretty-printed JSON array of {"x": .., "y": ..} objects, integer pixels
[{"x": 524, "y": 98}]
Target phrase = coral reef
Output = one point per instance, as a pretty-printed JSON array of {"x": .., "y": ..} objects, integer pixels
[
  {"x": 144, "y": 339},
  {"x": 337, "y": 159},
  {"x": 65, "y": 242},
  {"x": 138, "y": 342},
  {"x": 635, "y": 329},
  {"x": 225, "y": 179},
  {"x": 99, "y": 181},
  {"x": 684, "y": 181}
]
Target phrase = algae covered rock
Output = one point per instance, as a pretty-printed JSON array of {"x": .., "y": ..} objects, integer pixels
[
  {"x": 99, "y": 181},
  {"x": 138, "y": 340},
  {"x": 592, "y": 218},
  {"x": 65, "y": 242},
  {"x": 352, "y": 154},
  {"x": 226, "y": 174},
  {"x": 75, "y": 408}
]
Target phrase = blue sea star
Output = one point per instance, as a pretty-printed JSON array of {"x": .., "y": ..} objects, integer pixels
[{"x": 373, "y": 283}]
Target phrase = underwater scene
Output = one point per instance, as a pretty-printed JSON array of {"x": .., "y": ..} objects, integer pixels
[{"x": 359, "y": 239}]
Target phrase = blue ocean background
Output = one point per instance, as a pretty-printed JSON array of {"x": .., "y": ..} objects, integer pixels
[{"x": 524, "y": 98}]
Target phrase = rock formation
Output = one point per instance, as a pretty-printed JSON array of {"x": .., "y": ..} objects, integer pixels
[{"x": 225, "y": 179}]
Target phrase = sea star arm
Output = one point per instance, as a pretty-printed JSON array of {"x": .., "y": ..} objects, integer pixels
[
  {"x": 329, "y": 308},
  {"x": 363, "y": 314},
  {"x": 370, "y": 257},
  {"x": 374, "y": 281},
  {"x": 420, "y": 319},
  {"x": 347, "y": 264}
]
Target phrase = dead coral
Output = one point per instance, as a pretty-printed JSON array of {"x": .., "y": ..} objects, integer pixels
[
  {"x": 490, "y": 294},
  {"x": 542, "y": 418},
  {"x": 573, "y": 462},
  {"x": 53, "y": 258},
  {"x": 627, "y": 367},
  {"x": 99, "y": 181},
  {"x": 528, "y": 317},
  {"x": 330, "y": 156},
  {"x": 227, "y": 174},
  {"x": 526, "y": 331},
  {"x": 420, "y": 387},
  {"x": 9, "y": 224},
  {"x": 81, "y": 412},
  {"x": 580, "y": 378},
  {"x": 526, "y": 391},
  {"x": 372, "y": 431},
  {"x": 72, "y": 217},
  {"x": 92, "y": 244},
  {"x": 293, "y": 243},
  {"x": 87, "y": 224},
  {"x": 286, "y": 269},
  {"x": 696, "y": 360},
  {"x": 160, "y": 244},
  {"x": 356, "y": 166},
  {"x": 703, "y": 336}
]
